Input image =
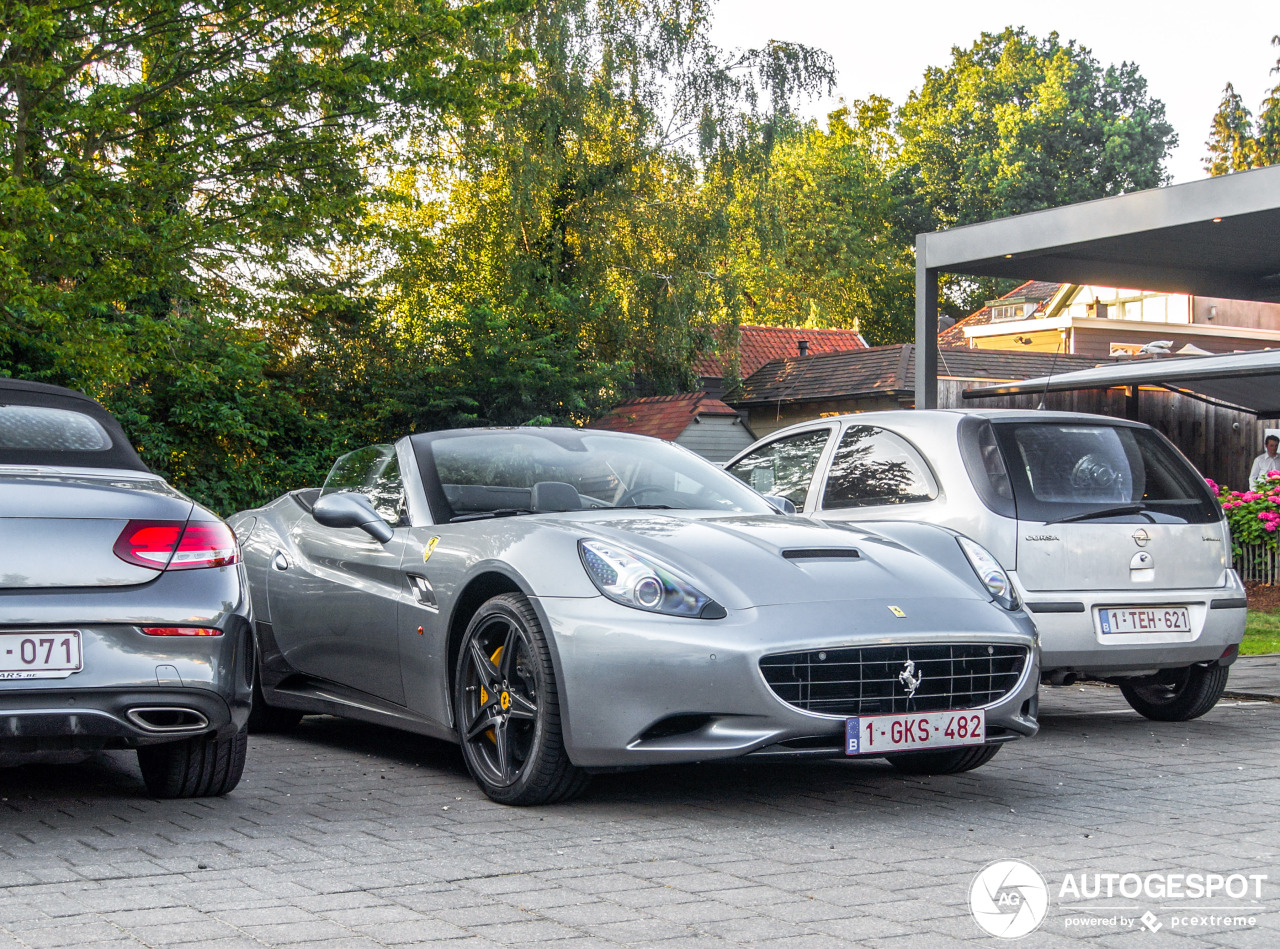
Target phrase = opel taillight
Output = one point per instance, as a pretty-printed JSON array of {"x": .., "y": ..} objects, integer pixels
[{"x": 173, "y": 545}]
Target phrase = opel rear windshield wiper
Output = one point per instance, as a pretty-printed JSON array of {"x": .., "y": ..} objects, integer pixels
[{"x": 1102, "y": 512}]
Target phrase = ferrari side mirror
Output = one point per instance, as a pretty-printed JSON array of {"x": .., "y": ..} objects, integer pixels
[
  {"x": 784, "y": 505},
  {"x": 348, "y": 509}
]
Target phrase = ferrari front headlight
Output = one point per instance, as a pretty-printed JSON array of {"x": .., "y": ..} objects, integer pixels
[
  {"x": 990, "y": 573},
  {"x": 643, "y": 584}
]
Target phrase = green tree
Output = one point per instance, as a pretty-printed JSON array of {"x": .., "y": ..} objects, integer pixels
[
  {"x": 174, "y": 176},
  {"x": 1017, "y": 124},
  {"x": 577, "y": 216},
  {"x": 1235, "y": 142},
  {"x": 811, "y": 236},
  {"x": 1231, "y": 143}
]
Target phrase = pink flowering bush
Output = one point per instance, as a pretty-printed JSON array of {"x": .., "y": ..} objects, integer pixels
[{"x": 1254, "y": 515}]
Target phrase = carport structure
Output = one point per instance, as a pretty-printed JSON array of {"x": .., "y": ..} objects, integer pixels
[{"x": 1218, "y": 237}]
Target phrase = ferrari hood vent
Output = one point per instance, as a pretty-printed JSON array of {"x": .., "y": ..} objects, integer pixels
[{"x": 821, "y": 553}]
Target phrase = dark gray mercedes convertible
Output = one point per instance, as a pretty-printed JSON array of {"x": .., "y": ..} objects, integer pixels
[
  {"x": 563, "y": 601},
  {"x": 123, "y": 617}
]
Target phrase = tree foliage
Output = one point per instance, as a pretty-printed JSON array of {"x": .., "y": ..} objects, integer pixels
[
  {"x": 1236, "y": 142},
  {"x": 575, "y": 223},
  {"x": 811, "y": 236},
  {"x": 1017, "y": 124},
  {"x": 170, "y": 171},
  {"x": 266, "y": 233}
]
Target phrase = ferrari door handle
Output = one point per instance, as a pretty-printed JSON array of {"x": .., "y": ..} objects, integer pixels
[{"x": 279, "y": 561}]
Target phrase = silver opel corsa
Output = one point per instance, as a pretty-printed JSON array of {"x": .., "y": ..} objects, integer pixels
[
  {"x": 561, "y": 601},
  {"x": 1112, "y": 539},
  {"x": 124, "y": 619}
]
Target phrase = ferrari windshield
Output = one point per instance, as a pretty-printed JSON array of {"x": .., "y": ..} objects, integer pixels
[{"x": 495, "y": 473}]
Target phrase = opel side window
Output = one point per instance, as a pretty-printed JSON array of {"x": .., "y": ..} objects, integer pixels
[
  {"x": 872, "y": 467},
  {"x": 784, "y": 467}
]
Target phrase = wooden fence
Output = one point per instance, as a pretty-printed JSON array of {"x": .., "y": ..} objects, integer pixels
[{"x": 1258, "y": 564}]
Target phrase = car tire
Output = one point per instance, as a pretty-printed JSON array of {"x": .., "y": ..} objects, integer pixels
[
  {"x": 507, "y": 708},
  {"x": 950, "y": 761},
  {"x": 203, "y": 766},
  {"x": 266, "y": 719},
  {"x": 1177, "y": 695}
]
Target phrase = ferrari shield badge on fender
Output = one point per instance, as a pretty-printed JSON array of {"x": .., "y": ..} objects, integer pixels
[
  {"x": 897, "y": 611},
  {"x": 431, "y": 545}
]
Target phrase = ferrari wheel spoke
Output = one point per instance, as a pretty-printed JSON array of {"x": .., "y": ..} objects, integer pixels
[
  {"x": 486, "y": 671},
  {"x": 510, "y": 649},
  {"x": 484, "y": 720},
  {"x": 523, "y": 708},
  {"x": 502, "y": 750}
]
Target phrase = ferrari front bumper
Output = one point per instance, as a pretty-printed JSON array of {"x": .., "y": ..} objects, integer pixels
[{"x": 639, "y": 688}]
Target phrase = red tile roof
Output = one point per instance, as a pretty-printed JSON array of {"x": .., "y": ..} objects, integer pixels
[
  {"x": 662, "y": 416},
  {"x": 759, "y": 344},
  {"x": 953, "y": 336}
]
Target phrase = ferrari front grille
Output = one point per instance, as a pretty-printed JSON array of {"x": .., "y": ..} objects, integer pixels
[{"x": 875, "y": 680}]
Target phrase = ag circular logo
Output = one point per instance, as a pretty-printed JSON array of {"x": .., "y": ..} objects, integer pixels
[{"x": 1009, "y": 899}]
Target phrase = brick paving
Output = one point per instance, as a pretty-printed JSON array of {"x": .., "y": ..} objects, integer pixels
[{"x": 343, "y": 835}]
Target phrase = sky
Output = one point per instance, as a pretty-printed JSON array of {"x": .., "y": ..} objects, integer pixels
[{"x": 1187, "y": 52}]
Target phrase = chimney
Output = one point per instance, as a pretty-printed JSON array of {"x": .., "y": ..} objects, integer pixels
[{"x": 803, "y": 346}]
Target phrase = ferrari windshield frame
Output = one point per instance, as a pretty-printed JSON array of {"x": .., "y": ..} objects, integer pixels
[{"x": 475, "y": 474}]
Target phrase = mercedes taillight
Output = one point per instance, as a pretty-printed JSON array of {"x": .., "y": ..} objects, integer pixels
[{"x": 175, "y": 545}]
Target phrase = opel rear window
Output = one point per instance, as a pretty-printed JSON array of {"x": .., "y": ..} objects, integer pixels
[{"x": 1092, "y": 470}]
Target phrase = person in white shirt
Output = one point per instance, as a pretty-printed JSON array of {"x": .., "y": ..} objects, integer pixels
[{"x": 1269, "y": 460}]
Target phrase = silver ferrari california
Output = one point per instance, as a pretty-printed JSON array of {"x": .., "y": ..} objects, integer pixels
[
  {"x": 124, "y": 621},
  {"x": 561, "y": 602}
]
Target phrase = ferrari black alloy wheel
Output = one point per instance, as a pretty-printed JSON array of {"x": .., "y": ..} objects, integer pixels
[
  {"x": 1177, "y": 695},
  {"x": 507, "y": 709},
  {"x": 950, "y": 761}
]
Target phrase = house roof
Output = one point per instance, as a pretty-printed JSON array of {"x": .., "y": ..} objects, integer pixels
[
  {"x": 890, "y": 370},
  {"x": 1041, "y": 290},
  {"x": 759, "y": 344},
  {"x": 662, "y": 416}
]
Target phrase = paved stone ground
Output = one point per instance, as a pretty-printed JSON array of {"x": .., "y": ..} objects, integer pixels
[{"x": 345, "y": 835}]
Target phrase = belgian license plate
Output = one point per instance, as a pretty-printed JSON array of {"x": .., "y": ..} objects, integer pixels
[
  {"x": 879, "y": 734},
  {"x": 1144, "y": 619},
  {"x": 46, "y": 654}
]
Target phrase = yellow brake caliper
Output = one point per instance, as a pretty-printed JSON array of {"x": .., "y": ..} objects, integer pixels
[{"x": 484, "y": 696}]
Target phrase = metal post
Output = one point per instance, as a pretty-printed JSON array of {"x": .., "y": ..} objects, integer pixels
[
  {"x": 1131, "y": 403},
  {"x": 926, "y": 331}
]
